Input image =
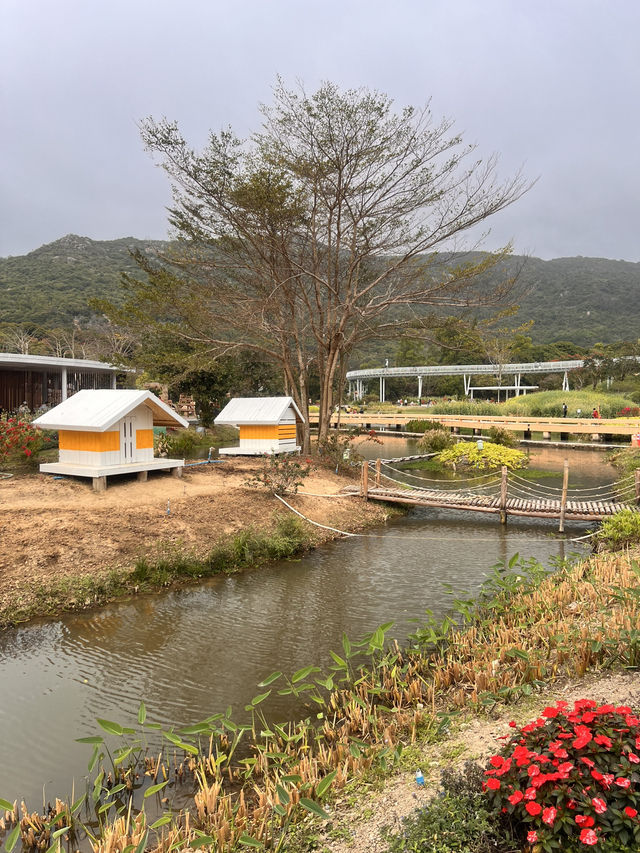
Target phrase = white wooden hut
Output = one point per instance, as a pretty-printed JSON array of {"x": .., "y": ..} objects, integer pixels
[
  {"x": 266, "y": 424},
  {"x": 106, "y": 432}
]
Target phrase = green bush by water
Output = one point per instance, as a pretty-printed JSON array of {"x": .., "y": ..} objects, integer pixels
[
  {"x": 620, "y": 530},
  {"x": 458, "y": 821}
]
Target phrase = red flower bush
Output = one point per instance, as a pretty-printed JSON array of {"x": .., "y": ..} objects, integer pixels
[
  {"x": 19, "y": 440},
  {"x": 570, "y": 779}
]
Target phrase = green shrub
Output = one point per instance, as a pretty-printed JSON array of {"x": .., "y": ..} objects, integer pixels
[
  {"x": 280, "y": 474},
  {"x": 458, "y": 821},
  {"x": 422, "y": 426},
  {"x": 436, "y": 440},
  {"x": 619, "y": 530},
  {"x": 468, "y": 454},
  {"x": 498, "y": 435},
  {"x": 626, "y": 461}
]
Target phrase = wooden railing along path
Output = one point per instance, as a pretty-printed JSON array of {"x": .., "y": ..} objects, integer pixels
[{"x": 589, "y": 426}]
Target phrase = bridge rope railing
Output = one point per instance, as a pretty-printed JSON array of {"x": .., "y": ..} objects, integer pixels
[
  {"x": 488, "y": 474},
  {"x": 489, "y": 484}
]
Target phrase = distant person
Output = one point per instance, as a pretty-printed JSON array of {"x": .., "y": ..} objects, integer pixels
[
  {"x": 565, "y": 409},
  {"x": 595, "y": 413}
]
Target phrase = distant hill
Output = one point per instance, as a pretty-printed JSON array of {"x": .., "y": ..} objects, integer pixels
[
  {"x": 52, "y": 285},
  {"x": 583, "y": 300}
]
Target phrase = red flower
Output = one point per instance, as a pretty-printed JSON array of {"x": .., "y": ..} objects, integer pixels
[
  {"x": 633, "y": 758},
  {"x": 496, "y": 761},
  {"x": 588, "y": 836},
  {"x": 549, "y": 815},
  {"x": 599, "y": 805},
  {"x": 533, "y": 808},
  {"x": 603, "y": 740},
  {"x": 515, "y": 798},
  {"x": 584, "y": 820},
  {"x": 621, "y": 782},
  {"x": 493, "y": 784},
  {"x": 630, "y": 812},
  {"x": 532, "y": 836}
]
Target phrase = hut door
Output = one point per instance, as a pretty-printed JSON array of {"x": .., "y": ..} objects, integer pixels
[{"x": 127, "y": 440}]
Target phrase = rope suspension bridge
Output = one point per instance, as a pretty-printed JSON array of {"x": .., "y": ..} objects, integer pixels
[{"x": 504, "y": 493}]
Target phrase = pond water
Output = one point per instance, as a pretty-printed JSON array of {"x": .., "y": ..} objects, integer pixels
[{"x": 192, "y": 652}]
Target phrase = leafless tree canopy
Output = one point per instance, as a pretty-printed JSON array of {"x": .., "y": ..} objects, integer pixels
[{"x": 301, "y": 241}]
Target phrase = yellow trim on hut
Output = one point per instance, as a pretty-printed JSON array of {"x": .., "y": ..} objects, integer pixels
[
  {"x": 93, "y": 442},
  {"x": 258, "y": 432},
  {"x": 144, "y": 439},
  {"x": 286, "y": 431}
]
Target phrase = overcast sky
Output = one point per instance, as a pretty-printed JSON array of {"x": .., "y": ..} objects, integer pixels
[{"x": 551, "y": 85}]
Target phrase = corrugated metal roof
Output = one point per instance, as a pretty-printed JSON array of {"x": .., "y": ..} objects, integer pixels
[
  {"x": 41, "y": 362},
  {"x": 256, "y": 410},
  {"x": 97, "y": 411}
]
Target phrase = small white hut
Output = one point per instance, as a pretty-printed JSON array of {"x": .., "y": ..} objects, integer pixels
[
  {"x": 106, "y": 432},
  {"x": 266, "y": 424}
]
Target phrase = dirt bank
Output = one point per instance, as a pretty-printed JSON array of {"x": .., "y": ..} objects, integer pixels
[{"x": 56, "y": 528}]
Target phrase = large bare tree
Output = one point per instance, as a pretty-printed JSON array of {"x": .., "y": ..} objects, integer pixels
[{"x": 318, "y": 231}]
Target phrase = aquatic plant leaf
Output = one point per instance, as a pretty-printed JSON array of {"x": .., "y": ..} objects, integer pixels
[
  {"x": 122, "y": 755},
  {"x": 142, "y": 843},
  {"x": 94, "y": 758},
  {"x": 110, "y": 727},
  {"x": 11, "y": 841},
  {"x": 92, "y": 739},
  {"x": 377, "y": 639},
  {"x": 283, "y": 794},
  {"x": 142, "y": 713},
  {"x": 314, "y": 808},
  {"x": 154, "y": 789},
  {"x": 248, "y": 841},
  {"x": 303, "y": 673},
  {"x": 260, "y": 698},
  {"x": 325, "y": 783},
  {"x": 340, "y": 661},
  {"x": 270, "y": 679},
  {"x": 201, "y": 841},
  {"x": 6, "y": 805},
  {"x": 162, "y": 821}
]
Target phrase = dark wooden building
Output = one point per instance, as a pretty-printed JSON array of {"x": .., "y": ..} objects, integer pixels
[{"x": 40, "y": 379}]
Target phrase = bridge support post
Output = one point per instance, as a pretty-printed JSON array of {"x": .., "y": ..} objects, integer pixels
[
  {"x": 563, "y": 499},
  {"x": 365, "y": 479},
  {"x": 378, "y": 472},
  {"x": 503, "y": 496},
  {"x": 638, "y": 485}
]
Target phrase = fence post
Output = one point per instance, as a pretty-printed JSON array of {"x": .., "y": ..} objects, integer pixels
[
  {"x": 563, "y": 499},
  {"x": 638, "y": 485},
  {"x": 365, "y": 479},
  {"x": 378, "y": 472},
  {"x": 503, "y": 496}
]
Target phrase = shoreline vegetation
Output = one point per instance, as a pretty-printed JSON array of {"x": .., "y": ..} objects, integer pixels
[{"x": 375, "y": 712}]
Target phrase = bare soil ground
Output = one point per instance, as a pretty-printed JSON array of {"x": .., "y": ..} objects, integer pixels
[{"x": 52, "y": 528}]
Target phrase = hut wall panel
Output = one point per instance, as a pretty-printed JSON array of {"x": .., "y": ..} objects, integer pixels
[
  {"x": 260, "y": 445},
  {"x": 258, "y": 432},
  {"x": 86, "y": 457},
  {"x": 93, "y": 442},
  {"x": 144, "y": 439}
]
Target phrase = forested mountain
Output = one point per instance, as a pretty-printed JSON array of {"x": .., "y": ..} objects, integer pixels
[
  {"x": 583, "y": 300},
  {"x": 52, "y": 285}
]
